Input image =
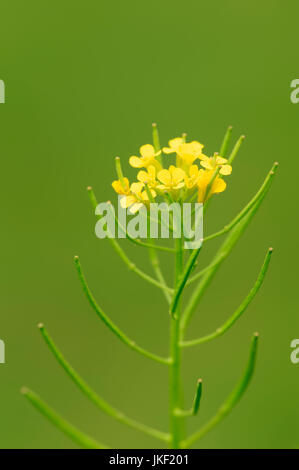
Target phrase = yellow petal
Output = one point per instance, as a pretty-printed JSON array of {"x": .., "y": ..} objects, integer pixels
[
  {"x": 193, "y": 171},
  {"x": 191, "y": 149},
  {"x": 196, "y": 147},
  {"x": 117, "y": 186},
  {"x": 123, "y": 202},
  {"x": 225, "y": 170},
  {"x": 161, "y": 187},
  {"x": 221, "y": 161},
  {"x": 135, "y": 207},
  {"x": 168, "y": 150},
  {"x": 177, "y": 175},
  {"x": 147, "y": 151},
  {"x": 218, "y": 186},
  {"x": 165, "y": 177},
  {"x": 136, "y": 162},
  {"x": 175, "y": 143},
  {"x": 152, "y": 171},
  {"x": 201, "y": 194},
  {"x": 205, "y": 175},
  {"x": 127, "y": 201},
  {"x": 136, "y": 188},
  {"x": 121, "y": 187},
  {"x": 143, "y": 176},
  {"x": 155, "y": 163},
  {"x": 179, "y": 186},
  {"x": 145, "y": 197},
  {"x": 207, "y": 164},
  {"x": 202, "y": 156}
]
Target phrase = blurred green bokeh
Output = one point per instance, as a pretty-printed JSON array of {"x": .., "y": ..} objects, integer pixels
[{"x": 84, "y": 81}]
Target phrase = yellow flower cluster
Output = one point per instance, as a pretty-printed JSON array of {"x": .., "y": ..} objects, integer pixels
[{"x": 180, "y": 182}]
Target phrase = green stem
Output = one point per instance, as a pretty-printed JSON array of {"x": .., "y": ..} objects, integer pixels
[
  {"x": 119, "y": 171},
  {"x": 93, "y": 396},
  {"x": 175, "y": 354},
  {"x": 236, "y": 149},
  {"x": 156, "y": 142},
  {"x": 240, "y": 310},
  {"x": 183, "y": 279},
  {"x": 110, "y": 324},
  {"x": 232, "y": 400},
  {"x": 77, "y": 436},
  {"x": 154, "y": 259},
  {"x": 209, "y": 186}
]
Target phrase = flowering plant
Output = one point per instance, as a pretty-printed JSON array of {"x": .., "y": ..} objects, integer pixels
[
  {"x": 193, "y": 176},
  {"x": 180, "y": 182}
]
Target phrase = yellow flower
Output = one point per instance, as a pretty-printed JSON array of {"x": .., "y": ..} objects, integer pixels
[
  {"x": 174, "y": 145},
  {"x": 192, "y": 177},
  {"x": 148, "y": 177},
  {"x": 121, "y": 187},
  {"x": 212, "y": 163},
  {"x": 136, "y": 198},
  {"x": 187, "y": 153},
  {"x": 148, "y": 157},
  {"x": 204, "y": 178},
  {"x": 171, "y": 179}
]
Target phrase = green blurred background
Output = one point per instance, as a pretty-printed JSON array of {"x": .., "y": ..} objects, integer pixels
[{"x": 84, "y": 82}]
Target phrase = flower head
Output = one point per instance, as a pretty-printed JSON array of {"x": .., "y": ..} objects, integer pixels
[
  {"x": 184, "y": 180},
  {"x": 171, "y": 179},
  {"x": 148, "y": 157},
  {"x": 204, "y": 178},
  {"x": 212, "y": 163}
]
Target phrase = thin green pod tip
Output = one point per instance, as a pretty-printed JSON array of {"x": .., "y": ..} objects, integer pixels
[
  {"x": 156, "y": 141},
  {"x": 92, "y": 196},
  {"x": 197, "y": 397},
  {"x": 226, "y": 141},
  {"x": 118, "y": 168}
]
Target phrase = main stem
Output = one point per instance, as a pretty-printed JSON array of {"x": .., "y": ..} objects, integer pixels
[{"x": 175, "y": 354}]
